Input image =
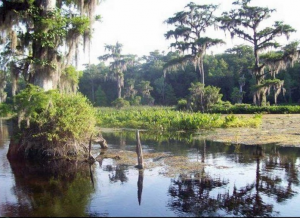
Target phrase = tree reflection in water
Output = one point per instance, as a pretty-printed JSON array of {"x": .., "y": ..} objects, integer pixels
[
  {"x": 199, "y": 196},
  {"x": 117, "y": 173},
  {"x": 140, "y": 185},
  {"x": 55, "y": 188},
  {"x": 192, "y": 195},
  {"x": 4, "y": 132}
]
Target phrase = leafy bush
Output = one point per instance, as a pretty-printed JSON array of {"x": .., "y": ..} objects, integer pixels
[
  {"x": 136, "y": 101},
  {"x": 203, "y": 98},
  {"x": 182, "y": 104},
  {"x": 120, "y": 102},
  {"x": 58, "y": 121}
]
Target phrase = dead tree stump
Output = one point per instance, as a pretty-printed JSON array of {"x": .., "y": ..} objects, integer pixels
[
  {"x": 91, "y": 159},
  {"x": 139, "y": 151},
  {"x": 99, "y": 139}
]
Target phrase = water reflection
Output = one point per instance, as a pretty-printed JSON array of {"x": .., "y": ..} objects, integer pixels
[
  {"x": 4, "y": 132},
  {"x": 192, "y": 195},
  {"x": 140, "y": 185},
  {"x": 53, "y": 188},
  {"x": 276, "y": 177},
  {"x": 236, "y": 180},
  {"x": 117, "y": 173}
]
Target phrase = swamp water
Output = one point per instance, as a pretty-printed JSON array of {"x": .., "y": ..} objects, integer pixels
[{"x": 228, "y": 180}]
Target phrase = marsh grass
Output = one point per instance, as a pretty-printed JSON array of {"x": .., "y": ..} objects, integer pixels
[{"x": 167, "y": 119}]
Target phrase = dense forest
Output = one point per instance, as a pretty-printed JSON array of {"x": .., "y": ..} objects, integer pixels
[
  {"x": 146, "y": 83},
  {"x": 260, "y": 72}
]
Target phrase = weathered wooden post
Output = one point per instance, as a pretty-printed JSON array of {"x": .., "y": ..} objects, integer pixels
[{"x": 139, "y": 151}]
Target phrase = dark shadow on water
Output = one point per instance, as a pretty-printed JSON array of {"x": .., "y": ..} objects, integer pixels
[
  {"x": 194, "y": 195},
  {"x": 52, "y": 188},
  {"x": 140, "y": 185},
  {"x": 65, "y": 188}
]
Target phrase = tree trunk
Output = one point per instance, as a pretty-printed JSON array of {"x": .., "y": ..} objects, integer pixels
[
  {"x": 256, "y": 65},
  {"x": 45, "y": 74},
  {"x": 119, "y": 81},
  {"x": 2, "y": 87},
  {"x": 201, "y": 69},
  {"x": 93, "y": 90}
]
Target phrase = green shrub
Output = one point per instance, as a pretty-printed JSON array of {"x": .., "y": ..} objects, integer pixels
[
  {"x": 136, "y": 101},
  {"x": 182, "y": 104},
  {"x": 58, "y": 121},
  {"x": 120, "y": 102}
]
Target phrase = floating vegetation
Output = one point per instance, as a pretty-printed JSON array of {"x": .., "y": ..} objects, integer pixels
[
  {"x": 180, "y": 165},
  {"x": 171, "y": 165}
]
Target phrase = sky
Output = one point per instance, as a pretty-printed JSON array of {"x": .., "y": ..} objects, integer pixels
[{"x": 139, "y": 25}]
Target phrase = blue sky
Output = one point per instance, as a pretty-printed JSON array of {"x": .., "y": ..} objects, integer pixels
[{"x": 138, "y": 24}]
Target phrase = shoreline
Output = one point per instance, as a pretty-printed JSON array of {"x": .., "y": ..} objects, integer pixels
[{"x": 279, "y": 129}]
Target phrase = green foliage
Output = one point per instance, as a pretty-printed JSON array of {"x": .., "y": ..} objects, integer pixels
[
  {"x": 196, "y": 96},
  {"x": 80, "y": 24},
  {"x": 72, "y": 75},
  {"x": 236, "y": 95},
  {"x": 190, "y": 26},
  {"x": 239, "y": 22},
  {"x": 166, "y": 119},
  {"x": 211, "y": 96},
  {"x": 203, "y": 98},
  {"x": 120, "y": 102},
  {"x": 5, "y": 110},
  {"x": 55, "y": 25},
  {"x": 42, "y": 39},
  {"x": 100, "y": 97},
  {"x": 170, "y": 98},
  {"x": 182, "y": 104},
  {"x": 136, "y": 101},
  {"x": 234, "y": 121},
  {"x": 249, "y": 109},
  {"x": 55, "y": 118}
]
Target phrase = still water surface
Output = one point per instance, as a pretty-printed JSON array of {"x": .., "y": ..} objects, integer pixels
[{"x": 236, "y": 181}]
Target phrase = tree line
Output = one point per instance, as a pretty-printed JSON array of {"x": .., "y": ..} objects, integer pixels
[
  {"x": 256, "y": 72},
  {"x": 145, "y": 83},
  {"x": 40, "y": 48}
]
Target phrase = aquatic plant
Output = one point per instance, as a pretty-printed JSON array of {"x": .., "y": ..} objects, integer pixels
[{"x": 167, "y": 119}]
